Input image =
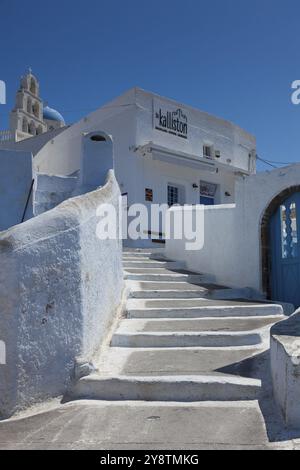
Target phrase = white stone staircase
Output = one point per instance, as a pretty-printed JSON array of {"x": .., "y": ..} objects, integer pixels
[{"x": 179, "y": 342}]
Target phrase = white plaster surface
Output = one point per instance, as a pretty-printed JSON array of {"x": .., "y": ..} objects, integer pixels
[
  {"x": 15, "y": 183},
  {"x": 232, "y": 245},
  {"x": 285, "y": 366},
  {"x": 60, "y": 287},
  {"x": 51, "y": 190}
]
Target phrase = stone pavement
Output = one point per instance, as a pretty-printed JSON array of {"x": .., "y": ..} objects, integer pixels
[{"x": 140, "y": 425}]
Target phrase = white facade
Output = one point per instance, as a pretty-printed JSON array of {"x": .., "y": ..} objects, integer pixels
[{"x": 159, "y": 143}]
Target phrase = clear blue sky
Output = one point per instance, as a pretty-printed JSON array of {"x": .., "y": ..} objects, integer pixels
[{"x": 233, "y": 58}]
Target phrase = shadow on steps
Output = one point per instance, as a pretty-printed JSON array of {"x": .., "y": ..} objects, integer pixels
[{"x": 259, "y": 367}]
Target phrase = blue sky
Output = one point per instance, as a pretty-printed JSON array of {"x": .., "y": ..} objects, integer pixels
[{"x": 233, "y": 58}]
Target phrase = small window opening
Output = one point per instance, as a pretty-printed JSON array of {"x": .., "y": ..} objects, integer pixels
[
  {"x": 208, "y": 151},
  {"x": 98, "y": 138}
]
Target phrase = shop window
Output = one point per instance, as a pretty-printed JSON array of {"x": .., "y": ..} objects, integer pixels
[{"x": 207, "y": 193}]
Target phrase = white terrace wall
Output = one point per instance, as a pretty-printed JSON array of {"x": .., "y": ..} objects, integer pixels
[
  {"x": 218, "y": 256},
  {"x": 285, "y": 368},
  {"x": 60, "y": 287},
  {"x": 232, "y": 233}
]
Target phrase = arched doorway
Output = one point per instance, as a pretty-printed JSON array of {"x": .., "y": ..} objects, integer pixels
[{"x": 280, "y": 246}]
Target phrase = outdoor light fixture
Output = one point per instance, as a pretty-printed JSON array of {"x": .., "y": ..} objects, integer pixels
[{"x": 195, "y": 185}]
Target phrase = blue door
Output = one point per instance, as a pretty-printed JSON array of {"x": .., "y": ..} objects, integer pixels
[
  {"x": 285, "y": 252},
  {"x": 207, "y": 201}
]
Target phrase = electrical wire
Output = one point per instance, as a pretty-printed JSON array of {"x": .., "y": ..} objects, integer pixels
[{"x": 272, "y": 162}]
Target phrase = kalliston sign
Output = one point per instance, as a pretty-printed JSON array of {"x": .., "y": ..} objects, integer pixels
[{"x": 173, "y": 121}]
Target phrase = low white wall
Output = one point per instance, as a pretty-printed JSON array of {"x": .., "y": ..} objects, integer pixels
[
  {"x": 218, "y": 255},
  {"x": 50, "y": 190},
  {"x": 285, "y": 367},
  {"x": 60, "y": 287},
  {"x": 232, "y": 244},
  {"x": 15, "y": 183}
]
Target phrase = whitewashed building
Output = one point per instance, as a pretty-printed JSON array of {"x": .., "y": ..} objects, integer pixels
[{"x": 164, "y": 151}]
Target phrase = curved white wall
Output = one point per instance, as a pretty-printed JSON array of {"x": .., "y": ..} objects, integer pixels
[{"x": 60, "y": 287}]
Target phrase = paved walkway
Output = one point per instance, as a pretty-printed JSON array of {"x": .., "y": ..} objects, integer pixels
[{"x": 100, "y": 425}]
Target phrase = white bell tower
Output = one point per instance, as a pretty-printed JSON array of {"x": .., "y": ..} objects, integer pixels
[{"x": 26, "y": 119}]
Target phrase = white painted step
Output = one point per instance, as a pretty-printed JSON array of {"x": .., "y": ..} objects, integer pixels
[
  {"x": 168, "y": 294},
  {"x": 173, "y": 290},
  {"x": 199, "y": 324},
  {"x": 145, "y": 264},
  {"x": 143, "y": 252},
  {"x": 177, "y": 361},
  {"x": 205, "y": 311},
  {"x": 129, "y": 258},
  {"x": 169, "y": 276},
  {"x": 164, "y": 285},
  {"x": 185, "y": 339},
  {"x": 179, "y": 389},
  {"x": 145, "y": 270}
]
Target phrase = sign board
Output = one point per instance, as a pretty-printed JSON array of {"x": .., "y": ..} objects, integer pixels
[{"x": 170, "y": 119}]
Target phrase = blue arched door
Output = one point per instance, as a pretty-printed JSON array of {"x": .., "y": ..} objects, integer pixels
[{"x": 285, "y": 251}]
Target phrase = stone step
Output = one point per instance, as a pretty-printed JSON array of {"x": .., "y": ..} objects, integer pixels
[
  {"x": 158, "y": 257},
  {"x": 137, "y": 258},
  {"x": 167, "y": 289},
  {"x": 185, "y": 339},
  {"x": 206, "y": 311},
  {"x": 172, "y": 276},
  {"x": 172, "y": 389},
  {"x": 134, "y": 425},
  {"x": 177, "y": 361},
  {"x": 145, "y": 264},
  {"x": 165, "y": 285},
  {"x": 199, "y": 324},
  {"x": 143, "y": 252},
  {"x": 168, "y": 294},
  {"x": 193, "y": 308},
  {"x": 158, "y": 270}
]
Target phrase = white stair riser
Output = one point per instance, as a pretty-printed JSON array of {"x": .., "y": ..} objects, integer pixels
[
  {"x": 167, "y": 294},
  {"x": 197, "y": 278},
  {"x": 185, "y": 340},
  {"x": 204, "y": 312},
  {"x": 173, "y": 390},
  {"x": 151, "y": 264}
]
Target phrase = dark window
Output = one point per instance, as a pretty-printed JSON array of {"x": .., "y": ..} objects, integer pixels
[
  {"x": 98, "y": 138},
  {"x": 149, "y": 194},
  {"x": 173, "y": 195},
  {"x": 207, "y": 151}
]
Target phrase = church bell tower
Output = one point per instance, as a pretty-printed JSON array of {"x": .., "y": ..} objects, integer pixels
[{"x": 26, "y": 119}]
